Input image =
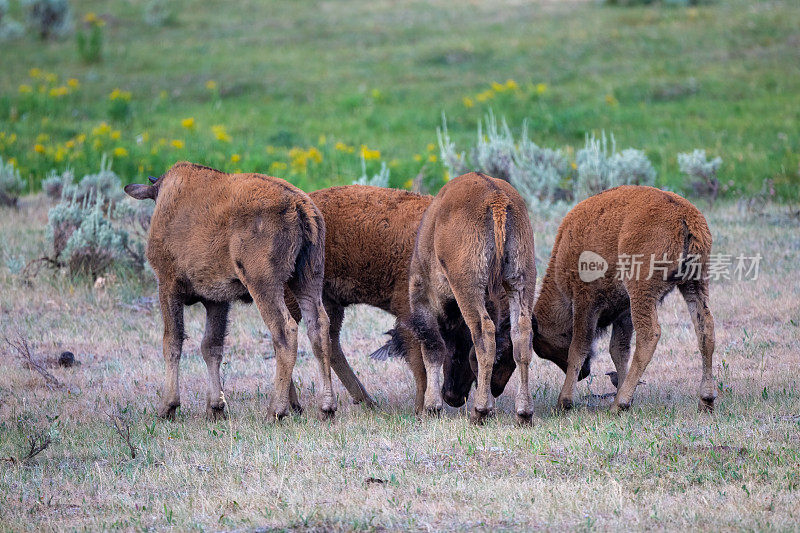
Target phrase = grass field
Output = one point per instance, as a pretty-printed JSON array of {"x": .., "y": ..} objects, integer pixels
[
  {"x": 722, "y": 76},
  {"x": 660, "y": 466}
]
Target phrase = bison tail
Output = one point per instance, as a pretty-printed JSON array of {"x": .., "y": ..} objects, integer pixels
[
  {"x": 310, "y": 262},
  {"x": 498, "y": 205},
  {"x": 394, "y": 347}
]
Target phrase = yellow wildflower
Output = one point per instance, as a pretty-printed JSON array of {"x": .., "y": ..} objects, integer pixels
[
  {"x": 541, "y": 88},
  {"x": 468, "y": 102},
  {"x": 368, "y": 154},
  {"x": 610, "y": 100},
  {"x": 277, "y": 165},
  {"x": 342, "y": 147},
  {"x": 417, "y": 158},
  {"x": 408, "y": 184},
  {"x": 38, "y": 148},
  {"x": 51, "y": 77},
  {"x": 511, "y": 85},
  {"x": 211, "y": 85},
  {"x": 432, "y": 158},
  {"x": 498, "y": 87},
  {"x": 102, "y": 129},
  {"x": 116, "y": 134},
  {"x": 60, "y": 153},
  {"x": 35, "y": 73},
  {"x": 235, "y": 158},
  {"x": 118, "y": 94},
  {"x": 431, "y": 147},
  {"x": 42, "y": 137},
  {"x": 25, "y": 89},
  {"x": 315, "y": 155},
  {"x": 270, "y": 149},
  {"x": 73, "y": 82},
  {"x": 177, "y": 143},
  {"x": 81, "y": 138},
  {"x": 90, "y": 17},
  {"x": 322, "y": 140},
  {"x": 119, "y": 151},
  {"x": 574, "y": 165},
  {"x": 485, "y": 95},
  {"x": 376, "y": 94},
  {"x": 14, "y": 162},
  {"x": 188, "y": 123},
  {"x": 70, "y": 144},
  {"x": 220, "y": 133}
]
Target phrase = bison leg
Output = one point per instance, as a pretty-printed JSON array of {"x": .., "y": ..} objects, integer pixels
[
  {"x": 696, "y": 296},
  {"x": 620, "y": 346},
  {"x": 283, "y": 328},
  {"x": 426, "y": 329},
  {"x": 471, "y": 303},
  {"x": 318, "y": 328},
  {"x": 648, "y": 331},
  {"x": 339, "y": 361},
  {"x": 172, "y": 314},
  {"x": 211, "y": 348},
  {"x": 522, "y": 342},
  {"x": 294, "y": 310},
  {"x": 584, "y": 323}
]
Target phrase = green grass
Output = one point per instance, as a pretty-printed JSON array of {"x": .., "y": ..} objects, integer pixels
[
  {"x": 723, "y": 77},
  {"x": 661, "y": 466}
]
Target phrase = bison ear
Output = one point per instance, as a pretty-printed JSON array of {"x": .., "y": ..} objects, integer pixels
[
  {"x": 152, "y": 179},
  {"x": 140, "y": 192}
]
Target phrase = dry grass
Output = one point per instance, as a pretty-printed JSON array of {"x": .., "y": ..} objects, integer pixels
[{"x": 661, "y": 466}]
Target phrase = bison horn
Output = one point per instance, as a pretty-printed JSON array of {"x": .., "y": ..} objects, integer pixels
[{"x": 152, "y": 179}]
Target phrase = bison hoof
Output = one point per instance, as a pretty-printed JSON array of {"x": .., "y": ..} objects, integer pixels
[
  {"x": 215, "y": 413},
  {"x": 706, "y": 405},
  {"x": 525, "y": 418},
  {"x": 618, "y": 408},
  {"x": 168, "y": 411},
  {"x": 327, "y": 414},
  {"x": 564, "y": 404},
  {"x": 366, "y": 400},
  {"x": 276, "y": 415},
  {"x": 297, "y": 408},
  {"x": 478, "y": 416},
  {"x": 434, "y": 411}
]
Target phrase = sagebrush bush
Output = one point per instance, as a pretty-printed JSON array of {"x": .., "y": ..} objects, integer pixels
[
  {"x": 49, "y": 18},
  {"x": 11, "y": 184},
  {"x": 159, "y": 13},
  {"x": 88, "y": 238},
  {"x": 545, "y": 176},
  {"x": 104, "y": 183},
  {"x": 381, "y": 179},
  {"x": 702, "y": 173},
  {"x": 599, "y": 168},
  {"x": 9, "y": 28}
]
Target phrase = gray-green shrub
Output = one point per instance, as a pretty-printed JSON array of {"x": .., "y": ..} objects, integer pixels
[
  {"x": 11, "y": 184},
  {"x": 702, "y": 173},
  {"x": 49, "y": 18},
  {"x": 9, "y": 28}
]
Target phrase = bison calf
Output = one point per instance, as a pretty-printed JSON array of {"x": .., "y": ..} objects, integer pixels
[
  {"x": 474, "y": 248},
  {"x": 216, "y": 238},
  {"x": 593, "y": 282}
]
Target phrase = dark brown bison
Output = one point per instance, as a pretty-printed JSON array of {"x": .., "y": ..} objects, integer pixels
[
  {"x": 216, "y": 238},
  {"x": 584, "y": 289},
  {"x": 474, "y": 250}
]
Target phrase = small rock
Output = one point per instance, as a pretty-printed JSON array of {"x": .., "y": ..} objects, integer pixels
[{"x": 66, "y": 359}]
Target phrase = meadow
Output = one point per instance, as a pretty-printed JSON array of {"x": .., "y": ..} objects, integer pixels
[
  {"x": 660, "y": 466},
  {"x": 301, "y": 89},
  {"x": 306, "y": 91}
]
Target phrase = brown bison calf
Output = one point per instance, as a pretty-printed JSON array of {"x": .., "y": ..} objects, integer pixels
[
  {"x": 475, "y": 240},
  {"x": 216, "y": 238},
  {"x": 583, "y": 293},
  {"x": 369, "y": 239}
]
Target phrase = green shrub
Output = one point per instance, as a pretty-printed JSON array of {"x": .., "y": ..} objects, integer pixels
[
  {"x": 49, "y": 18},
  {"x": 90, "y": 42},
  {"x": 11, "y": 184}
]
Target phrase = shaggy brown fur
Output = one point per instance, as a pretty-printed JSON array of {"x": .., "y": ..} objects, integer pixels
[
  {"x": 369, "y": 239},
  {"x": 216, "y": 238},
  {"x": 627, "y": 221},
  {"x": 475, "y": 248}
]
